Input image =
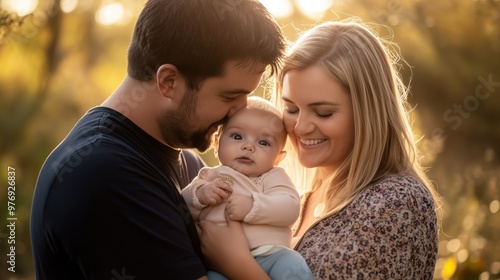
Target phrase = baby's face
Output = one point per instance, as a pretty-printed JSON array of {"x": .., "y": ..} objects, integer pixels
[{"x": 251, "y": 141}]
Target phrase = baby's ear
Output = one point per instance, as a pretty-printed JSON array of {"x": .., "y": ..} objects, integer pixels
[
  {"x": 280, "y": 157},
  {"x": 216, "y": 143}
]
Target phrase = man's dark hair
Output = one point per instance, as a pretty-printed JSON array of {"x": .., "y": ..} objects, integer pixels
[{"x": 200, "y": 36}]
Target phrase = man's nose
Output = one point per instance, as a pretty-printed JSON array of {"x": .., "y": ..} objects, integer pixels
[{"x": 240, "y": 102}]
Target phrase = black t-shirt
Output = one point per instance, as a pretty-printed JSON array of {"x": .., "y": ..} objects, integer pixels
[{"x": 107, "y": 205}]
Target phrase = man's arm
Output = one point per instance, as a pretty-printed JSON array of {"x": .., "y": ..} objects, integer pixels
[
  {"x": 115, "y": 222},
  {"x": 226, "y": 250}
]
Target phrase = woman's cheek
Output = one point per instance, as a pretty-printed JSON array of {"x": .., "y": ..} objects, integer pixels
[
  {"x": 289, "y": 124},
  {"x": 289, "y": 127}
]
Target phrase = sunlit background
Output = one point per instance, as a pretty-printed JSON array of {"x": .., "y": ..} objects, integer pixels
[{"x": 60, "y": 58}]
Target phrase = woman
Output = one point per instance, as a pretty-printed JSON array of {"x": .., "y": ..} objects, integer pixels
[{"x": 368, "y": 209}]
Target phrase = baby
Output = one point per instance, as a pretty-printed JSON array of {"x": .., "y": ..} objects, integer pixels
[{"x": 252, "y": 189}]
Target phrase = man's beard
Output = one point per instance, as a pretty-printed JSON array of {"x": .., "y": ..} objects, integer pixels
[{"x": 175, "y": 126}]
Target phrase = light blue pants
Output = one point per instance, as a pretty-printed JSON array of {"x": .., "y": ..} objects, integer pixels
[{"x": 285, "y": 264}]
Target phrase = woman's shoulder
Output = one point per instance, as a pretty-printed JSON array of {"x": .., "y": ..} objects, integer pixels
[
  {"x": 397, "y": 192},
  {"x": 395, "y": 216},
  {"x": 397, "y": 188}
]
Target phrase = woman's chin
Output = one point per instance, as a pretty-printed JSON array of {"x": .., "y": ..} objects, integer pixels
[{"x": 308, "y": 162}]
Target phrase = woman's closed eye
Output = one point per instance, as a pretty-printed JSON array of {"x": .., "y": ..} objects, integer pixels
[
  {"x": 291, "y": 109},
  {"x": 324, "y": 114}
]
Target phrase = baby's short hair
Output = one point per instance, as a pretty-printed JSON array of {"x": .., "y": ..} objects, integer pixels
[
  {"x": 257, "y": 102},
  {"x": 261, "y": 104}
]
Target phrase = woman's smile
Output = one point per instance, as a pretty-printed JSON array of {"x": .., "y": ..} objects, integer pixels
[{"x": 311, "y": 142}]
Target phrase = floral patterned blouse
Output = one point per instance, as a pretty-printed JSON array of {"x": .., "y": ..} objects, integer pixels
[{"x": 388, "y": 232}]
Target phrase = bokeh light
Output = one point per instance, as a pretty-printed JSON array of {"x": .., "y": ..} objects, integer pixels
[
  {"x": 449, "y": 268},
  {"x": 68, "y": 6},
  {"x": 314, "y": 9},
  {"x": 111, "y": 13},
  {"x": 494, "y": 206},
  {"x": 279, "y": 8},
  {"x": 453, "y": 245},
  {"x": 21, "y": 7}
]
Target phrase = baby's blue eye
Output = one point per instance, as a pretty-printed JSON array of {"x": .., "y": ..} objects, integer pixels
[
  {"x": 236, "y": 136},
  {"x": 264, "y": 143}
]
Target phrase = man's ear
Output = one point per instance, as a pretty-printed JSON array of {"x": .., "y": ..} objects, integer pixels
[
  {"x": 167, "y": 79},
  {"x": 280, "y": 157}
]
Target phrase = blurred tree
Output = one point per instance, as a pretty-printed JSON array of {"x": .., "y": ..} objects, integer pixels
[
  {"x": 54, "y": 68},
  {"x": 19, "y": 108}
]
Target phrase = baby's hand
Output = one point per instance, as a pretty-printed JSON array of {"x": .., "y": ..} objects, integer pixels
[
  {"x": 238, "y": 206},
  {"x": 213, "y": 193}
]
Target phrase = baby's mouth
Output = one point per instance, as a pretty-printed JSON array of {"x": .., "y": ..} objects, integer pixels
[{"x": 244, "y": 159}]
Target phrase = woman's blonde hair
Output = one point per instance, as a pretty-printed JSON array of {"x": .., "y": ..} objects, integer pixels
[{"x": 384, "y": 143}]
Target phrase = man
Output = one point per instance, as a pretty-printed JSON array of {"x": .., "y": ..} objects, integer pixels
[{"x": 107, "y": 202}]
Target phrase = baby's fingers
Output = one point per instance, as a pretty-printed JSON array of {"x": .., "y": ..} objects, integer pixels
[{"x": 225, "y": 190}]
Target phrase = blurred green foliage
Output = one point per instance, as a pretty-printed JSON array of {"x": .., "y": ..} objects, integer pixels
[{"x": 54, "y": 66}]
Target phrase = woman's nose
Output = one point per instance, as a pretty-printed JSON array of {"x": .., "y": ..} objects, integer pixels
[{"x": 303, "y": 124}]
